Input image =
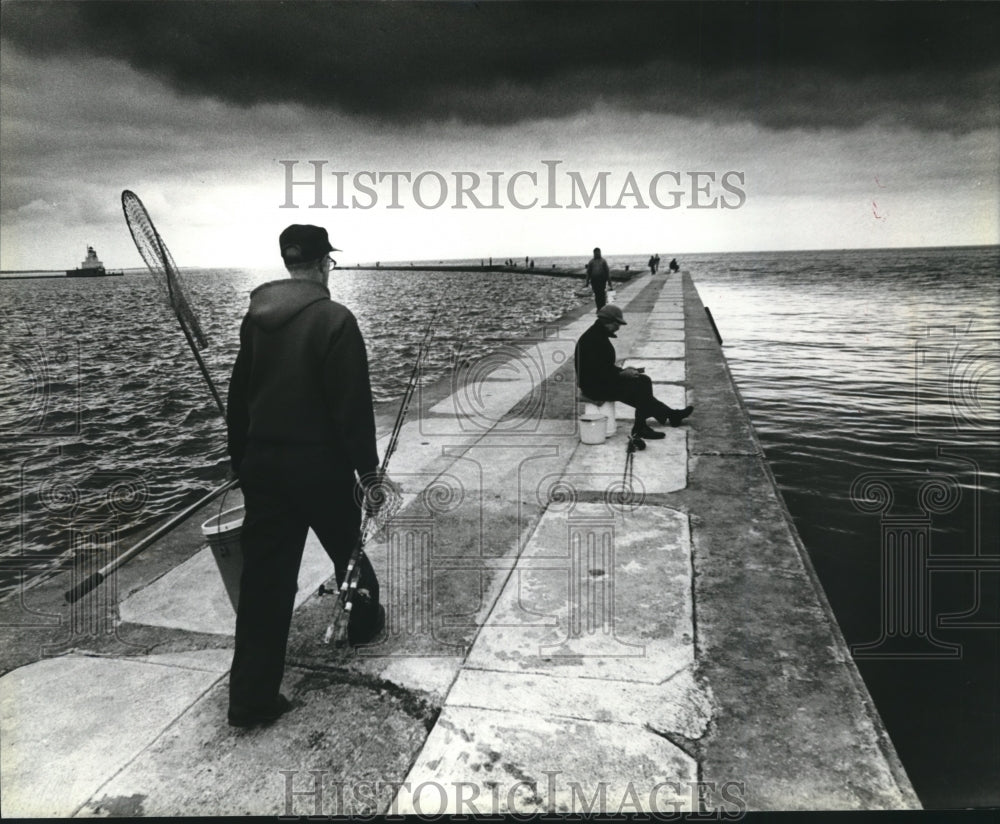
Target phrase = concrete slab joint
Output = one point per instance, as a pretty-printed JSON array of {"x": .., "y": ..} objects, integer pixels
[
  {"x": 590, "y": 640},
  {"x": 685, "y": 707}
]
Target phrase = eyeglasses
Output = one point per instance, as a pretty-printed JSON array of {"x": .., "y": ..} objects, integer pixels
[{"x": 330, "y": 260}]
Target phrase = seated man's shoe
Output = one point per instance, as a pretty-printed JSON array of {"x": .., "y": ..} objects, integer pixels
[
  {"x": 650, "y": 434},
  {"x": 679, "y": 415},
  {"x": 367, "y": 619},
  {"x": 265, "y": 715}
]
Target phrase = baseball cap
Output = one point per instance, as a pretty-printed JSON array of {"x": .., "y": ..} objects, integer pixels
[
  {"x": 301, "y": 243},
  {"x": 611, "y": 312}
]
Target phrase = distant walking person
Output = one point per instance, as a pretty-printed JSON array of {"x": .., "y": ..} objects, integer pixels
[
  {"x": 652, "y": 265},
  {"x": 301, "y": 426},
  {"x": 598, "y": 276},
  {"x": 600, "y": 379},
  {"x": 656, "y": 264}
]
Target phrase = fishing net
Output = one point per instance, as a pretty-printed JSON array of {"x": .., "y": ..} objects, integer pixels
[
  {"x": 157, "y": 257},
  {"x": 167, "y": 276}
]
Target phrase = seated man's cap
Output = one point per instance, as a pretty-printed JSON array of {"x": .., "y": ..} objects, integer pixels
[
  {"x": 301, "y": 243},
  {"x": 611, "y": 312}
]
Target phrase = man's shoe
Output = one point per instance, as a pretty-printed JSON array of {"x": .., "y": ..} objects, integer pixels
[
  {"x": 679, "y": 415},
  {"x": 250, "y": 718},
  {"x": 650, "y": 434}
]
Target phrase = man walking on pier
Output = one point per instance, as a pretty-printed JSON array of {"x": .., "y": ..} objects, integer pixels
[
  {"x": 600, "y": 379},
  {"x": 598, "y": 277},
  {"x": 301, "y": 426}
]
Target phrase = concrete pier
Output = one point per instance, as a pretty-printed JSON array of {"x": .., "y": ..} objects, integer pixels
[{"x": 565, "y": 633}]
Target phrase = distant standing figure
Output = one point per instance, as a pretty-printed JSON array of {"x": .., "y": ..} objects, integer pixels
[
  {"x": 656, "y": 264},
  {"x": 598, "y": 276},
  {"x": 674, "y": 266},
  {"x": 652, "y": 265}
]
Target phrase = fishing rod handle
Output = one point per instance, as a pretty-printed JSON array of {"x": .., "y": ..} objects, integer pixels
[
  {"x": 86, "y": 585},
  {"x": 99, "y": 577}
]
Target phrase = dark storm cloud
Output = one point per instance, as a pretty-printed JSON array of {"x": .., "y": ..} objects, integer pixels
[{"x": 930, "y": 65}]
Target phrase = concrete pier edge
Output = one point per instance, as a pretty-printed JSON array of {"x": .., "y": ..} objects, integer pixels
[{"x": 701, "y": 336}]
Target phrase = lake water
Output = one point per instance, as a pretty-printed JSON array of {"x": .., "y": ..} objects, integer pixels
[
  {"x": 871, "y": 377},
  {"x": 873, "y": 381}
]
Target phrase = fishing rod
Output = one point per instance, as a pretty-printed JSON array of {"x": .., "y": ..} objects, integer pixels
[
  {"x": 161, "y": 265},
  {"x": 635, "y": 444},
  {"x": 348, "y": 588}
]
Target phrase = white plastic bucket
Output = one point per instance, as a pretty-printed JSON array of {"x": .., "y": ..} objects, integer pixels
[
  {"x": 223, "y": 535},
  {"x": 607, "y": 409},
  {"x": 593, "y": 429}
]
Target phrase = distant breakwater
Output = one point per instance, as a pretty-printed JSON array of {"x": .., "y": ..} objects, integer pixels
[{"x": 620, "y": 275}]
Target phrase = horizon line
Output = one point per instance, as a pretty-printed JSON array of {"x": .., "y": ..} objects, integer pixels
[{"x": 405, "y": 263}]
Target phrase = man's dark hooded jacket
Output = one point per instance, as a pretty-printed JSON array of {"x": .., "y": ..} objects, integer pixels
[{"x": 301, "y": 376}]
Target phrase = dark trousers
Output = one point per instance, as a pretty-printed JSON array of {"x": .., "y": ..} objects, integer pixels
[
  {"x": 286, "y": 490},
  {"x": 600, "y": 292},
  {"x": 638, "y": 393}
]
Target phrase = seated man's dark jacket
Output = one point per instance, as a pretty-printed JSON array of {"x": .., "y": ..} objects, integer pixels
[
  {"x": 596, "y": 372},
  {"x": 301, "y": 376}
]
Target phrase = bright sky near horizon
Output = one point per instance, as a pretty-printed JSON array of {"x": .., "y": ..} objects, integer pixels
[{"x": 712, "y": 127}]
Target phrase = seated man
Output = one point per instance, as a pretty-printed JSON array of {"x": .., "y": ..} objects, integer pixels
[{"x": 601, "y": 380}]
